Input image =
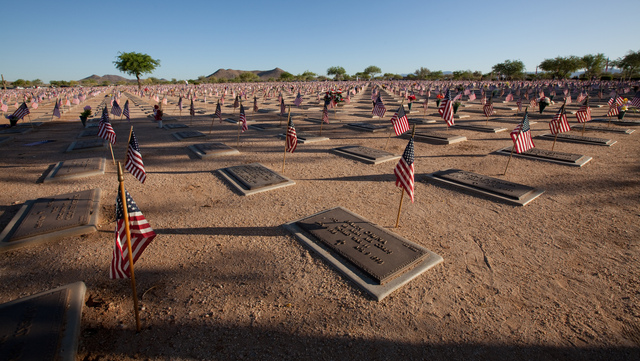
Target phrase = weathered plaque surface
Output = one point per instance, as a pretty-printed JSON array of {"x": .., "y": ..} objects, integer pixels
[
  {"x": 616, "y": 121},
  {"x": 93, "y": 132},
  {"x": 254, "y": 178},
  {"x": 431, "y": 137},
  {"x": 175, "y": 126},
  {"x": 304, "y": 137},
  {"x": 76, "y": 168},
  {"x": 377, "y": 260},
  {"x": 367, "y": 127},
  {"x": 5, "y": 139},
  {"x": 366, "y": 154},
  {"x": 206, "y": 150},
  {"x": 578, "y": 128},
  {"x": 85, "y": 145},
  {"x": 510, "y": 192},
  {"x": 44, "y": 326},
  {"x": 570, "y": 159},
  {"x": 571, "y": 138},
  {"x": 52, "y": 218},
  {"x": 188, "y": 134},
  {"x": 481, "y": 128}
]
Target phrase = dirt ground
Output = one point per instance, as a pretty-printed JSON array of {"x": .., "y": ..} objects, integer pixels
[{"x": 556, "y": 279}]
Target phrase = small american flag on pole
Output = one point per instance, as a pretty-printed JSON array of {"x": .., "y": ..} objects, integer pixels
[
  {"x": 559, "y": 123},
  {"x": 192, "y": 109},
  {"x": 635, "y": 101},
  {"x": 255, "y": 104},
  {"x": 521, "y": 135},
  {"x": 325, "y": 115},
  {"x": 379, "y": 109},
  {"x": 446, "y": 109},
  {"x": 404, "y": 170},
  {"x": 141, "y": 236},
  {"x": 125, "y": 110},
  {"x": 56, "y": 110},
  {"x": 115, "y": 109},
  {"x": 488, "y": 108},
  {"x": 133, "y": 163},
  {"x": 283, "y": 111},
  {"x": 180, "y": 103},
  {"x": 218, "y": 112},
  {"x": 584, "y": 113},
  {"x": 292, "y": 137},
  {"x": 243, "y": 118},
  {"x": 105, "y": 130},
  {"x": 21, "y": 111},
  {"x": 298, "y": 100},
  {"x": 400, "y": 121}
]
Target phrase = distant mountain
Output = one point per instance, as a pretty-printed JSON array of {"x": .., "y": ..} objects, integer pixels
[
  {"x": 111, "y": 78},
  {"x": 231, "y": 73}
]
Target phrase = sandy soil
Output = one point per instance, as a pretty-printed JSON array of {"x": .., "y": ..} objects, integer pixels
[{"x": 556, "y": 279}]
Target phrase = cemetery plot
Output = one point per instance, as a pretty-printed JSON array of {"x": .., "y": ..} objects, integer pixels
[
  {"x": 188, "y": 135},
  {"x": 174, "y": 126},
  {"x": 514, "y": 121},
  {"x": 52, "y": 218},
  {"x": 480, "y": 128},
  {"x": 16, "y": 130},
  {"x": 431, "y": 137},
  {"x": 234, "y": 121},
  {"x": 570, "y": 138},
  {"x": 367, "y": 127},
  {"x": 570, "y": 159},
  {"x": 5, "y": 139},
  {"x": 365, "y": 154},
  {"x": 93, "y": 132},
  {"x": 254, "y": 178},
  {"x": 76, "y": 168},
  {"x": 44, "y": 326},
  {"x": 304, "y": 137},
  {"x": 87, "y": 145},
  {"x": 579, "y": 128},
  {"x": 420, "y": 121},
  {"x": 264, "y": 126},
  {"x": 375, "y": 259},
  {"x": 207, "y": 150},
  {"x": 510, "y": 192},
  {"x": 624, "y": 123}
]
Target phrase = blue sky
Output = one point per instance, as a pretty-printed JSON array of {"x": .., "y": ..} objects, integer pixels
[{"x": 70, "y": 40}]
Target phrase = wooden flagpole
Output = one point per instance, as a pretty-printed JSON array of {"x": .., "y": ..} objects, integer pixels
[
  {"x": 514, "y": 145},
  {"x": 413, "y": 132},
  {"x": 286, "y": 134},
  {"x": 123, "y": 199}
]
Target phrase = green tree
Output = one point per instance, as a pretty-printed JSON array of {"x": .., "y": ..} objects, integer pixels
[
  {"x": 286, "y": 76},
  {"x": 248, "y": 77},
  {"x": 372, "y": 70},
  {"x": 36, "y": 82},
  {"x": 629, "y": 64},
  {"x": 422, "y": 73},
  {"x": 560, "y": 67},
  {"x": 307, "y": 76},
  {"x": 136, "y": 64},
  {"x": 363, "y": 76},
  {"x": 435, "y": 75},
  {"x": 511, "y": 69},
  {"x": 19, "y": 83},
  {"x": 337, "y": 71},
  {"x": 593, "y": 65}
]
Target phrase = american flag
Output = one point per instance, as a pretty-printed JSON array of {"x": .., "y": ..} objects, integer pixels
[
  {"x": 533, "y": 102},
  {"x": 115, "y": 109},
  {"x": 292, "y": 138},
  {"x": 298, "y": 100},
  {"x": 56, "y": 110},
  {"x": 236, "y": 102},
  {"x": 559, "y": 123},
  {"x": 404, "y": 170},
  {"x": 472, "y": 96},
  {"x": 283, "y": 111},
  {"x": 636, "y": 100},
  {"x": 125, "y": 110},
  {"x": 218, "y": 112},
  {"x": 21, "y": 111},
  {"x": 325, "y": 115},
  {"x": 581, "y": 97},
  {"x": 255, "y": 104},
  {"x": 347, "y": 100},
  {"x": 192, "y": 110},
  {"x": 105, "y": 130},
  {"x": 133, "y": 163},
  {"x": 509, "y": 97},
  {"x": 180, "y": 103},
  {"x": 521, "y": 135},
  {"x": 519, "y": 104},
  {"x": 379, "y": 109},
  {"x": 141, "y": 236},
  {"x": 584, "y": 113},
  {"x": 400, "y": 121},
  {"x": 615, "y": 99},
  {"x": 488, "y": 108},
  {"x": 614, "y": 103},
  {"x": 567, "y": 99},
  {"x": 446, "y": 109},
  {"x": 243, "y": 119}
]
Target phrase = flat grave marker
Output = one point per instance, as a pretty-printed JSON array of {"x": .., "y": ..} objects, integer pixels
[
  {"x": 578, "y": 128},
  {"x": 5, "y": 139},
  {"x": 208, "y": 150},
  {"x": 510, "y": 192},
  {"x": 174, "y": 126},
  {"x": 264, "y": 126},
  {"x": 480, "y": 128},
  {"x": 570, "y": 159},
  {"x": 616, "y": 121},
  {"x": 93, "y": 132},
  {"x": 87, "y": 145},
  {"x": 44, "y": 326},
  {"x": 367, "y": 127},
  {"x": 16, "y": 130},
  {"x": 76, "y": 168},
  {"x": 188, "y": 134},
  {"x": 365, "y": 154},
  {"x": 254, "y": 178},
  {"x": 432, "y": 137},
  {"x": 52, "y": 218},
  {"x": 571, "y": 138},
  {"x": 421, "y": 121},
  {"x": 375, "y": 259},
  {"x": 304, "y": 137}
]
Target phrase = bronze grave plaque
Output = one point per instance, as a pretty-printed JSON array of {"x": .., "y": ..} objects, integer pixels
[
  {"x": 188, "y": 134},
  {"x": 175, "y": 126},
  {"x": 76, "y": 168},
  {"x": 89, "y": 144},
  {"x": 571, "y": 138},
  {"x": 570, "y": 159},
  {"x": 254, "y": 178},
  {"x": 206, "y": 150},
  {"x": 379, "y": 253},
  {"x": 432, "y": 137},
  {"x": 366, "y": 154},
  {"x": 480, "y": 128},
  {"x": 514, "y": 193},
  {"x": 93, "y": 132},
  {"x": 367, "y": 127},
  {"x": 304, "y": 137}
]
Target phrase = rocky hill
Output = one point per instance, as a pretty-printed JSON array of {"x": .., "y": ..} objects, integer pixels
[
  {"x": 231, "y": 73},
  {"x": 111, "y": 78}
]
